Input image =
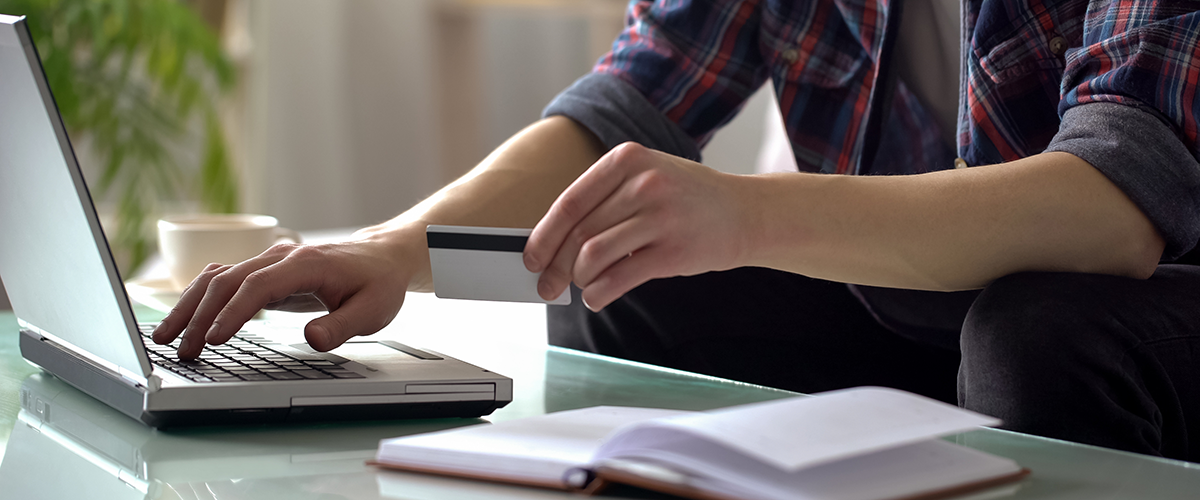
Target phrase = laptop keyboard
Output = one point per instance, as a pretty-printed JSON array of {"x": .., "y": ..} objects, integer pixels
[{"x": 243, "y": 358}]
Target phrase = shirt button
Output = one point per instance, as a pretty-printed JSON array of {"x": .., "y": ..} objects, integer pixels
[
  {"x": 960, "y": 163},
  {"x": 790, "y": 55},
  {"x": 1058, "y": 45}
]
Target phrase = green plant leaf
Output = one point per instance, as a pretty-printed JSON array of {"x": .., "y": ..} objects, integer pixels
[{"x": 137, "y": 81}]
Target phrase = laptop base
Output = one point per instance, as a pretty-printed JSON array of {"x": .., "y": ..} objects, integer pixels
[
  {"x": 312, "y": 414},
  {"x": 127, "y": 397}
]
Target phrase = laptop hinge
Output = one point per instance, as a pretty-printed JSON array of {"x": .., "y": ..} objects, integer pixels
[
  {"x": 152, "y": 383},
  {"x": 96, "y": 380},
  {"x": 134, "y": 378}
]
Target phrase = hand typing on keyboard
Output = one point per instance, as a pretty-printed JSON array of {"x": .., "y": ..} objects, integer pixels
[
  {"x": 244, "y": 357},
  {"x": 361, "y": 283}
]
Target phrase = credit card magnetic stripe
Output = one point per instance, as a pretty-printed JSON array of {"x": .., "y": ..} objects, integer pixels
[
  {"x": 492, "y": 242},
  {"x": 483, "y": 263}
]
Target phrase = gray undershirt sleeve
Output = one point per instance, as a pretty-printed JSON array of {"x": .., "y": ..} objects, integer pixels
[
  {"x": 616, "y": 112},
  {"x": 1145, "y": 159}
]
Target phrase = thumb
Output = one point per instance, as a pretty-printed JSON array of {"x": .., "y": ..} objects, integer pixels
[{"x": 359, "y": 315}]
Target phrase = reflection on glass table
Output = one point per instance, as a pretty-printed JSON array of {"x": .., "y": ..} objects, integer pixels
[
  {"x": 67, "y": 445},
  {"x": 76, "y": 447}
]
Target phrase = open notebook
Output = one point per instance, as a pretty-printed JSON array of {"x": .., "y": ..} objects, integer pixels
[{"x": 864, "y": 443}]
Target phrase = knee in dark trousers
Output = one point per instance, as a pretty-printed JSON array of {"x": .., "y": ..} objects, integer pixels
[{"x": 1068, "y": 356}]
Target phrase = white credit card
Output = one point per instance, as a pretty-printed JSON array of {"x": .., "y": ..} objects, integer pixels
[{"x": 483, "y": 263}]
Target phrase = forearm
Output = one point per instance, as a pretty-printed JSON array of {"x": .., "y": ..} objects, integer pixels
[
  {"x": 362, "y": 283},
  {"x": 512, "y": 187},
  {"x": 948, "y": 230}
]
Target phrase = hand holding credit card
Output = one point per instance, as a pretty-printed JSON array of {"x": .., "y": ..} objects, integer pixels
[{"x": 483, "y": 263}]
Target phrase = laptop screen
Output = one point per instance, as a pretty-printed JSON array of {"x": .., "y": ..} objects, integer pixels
[{"x": 55, "y": 263}]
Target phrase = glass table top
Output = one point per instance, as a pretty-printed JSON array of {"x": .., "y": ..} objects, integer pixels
[{"x": 89, "y": 450}]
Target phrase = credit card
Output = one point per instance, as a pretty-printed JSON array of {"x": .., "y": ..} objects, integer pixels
[{"x": 483, "y": 263}]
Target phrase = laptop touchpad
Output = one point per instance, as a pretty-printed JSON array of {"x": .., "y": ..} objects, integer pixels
[{"x": 370, "y": 352}]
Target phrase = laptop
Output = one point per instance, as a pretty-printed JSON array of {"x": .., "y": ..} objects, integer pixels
[{"x": 77, "y": 323}]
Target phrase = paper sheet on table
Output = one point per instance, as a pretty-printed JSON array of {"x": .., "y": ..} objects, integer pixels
[
  {"x": 537, "y": 449},
  {"x": 803, "y": 432}
]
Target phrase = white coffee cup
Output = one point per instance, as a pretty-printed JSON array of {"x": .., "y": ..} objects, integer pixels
[{"x": 188, "y": 243}]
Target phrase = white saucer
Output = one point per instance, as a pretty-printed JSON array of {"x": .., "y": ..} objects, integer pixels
[{"x": 156, "y": 293}]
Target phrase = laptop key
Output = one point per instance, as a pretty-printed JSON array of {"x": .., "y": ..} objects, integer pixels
[
  {"x": 285, "y": 376},
  {"x": 256, "y": 376}
]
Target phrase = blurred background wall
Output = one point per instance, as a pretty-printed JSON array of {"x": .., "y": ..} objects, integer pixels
[{"x": 354, "y": 110}]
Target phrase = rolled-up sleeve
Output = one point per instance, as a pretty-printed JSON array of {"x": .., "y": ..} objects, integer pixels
[
  {"x": 1144, "y": 158},
  {"x": 695, "y": 63},
  {"x": 616, "y": 112},
  {"x": 1130, "y": 108}
]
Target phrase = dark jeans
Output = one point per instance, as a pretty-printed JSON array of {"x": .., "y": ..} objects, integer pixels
[{"x": 1095, "y": 359}]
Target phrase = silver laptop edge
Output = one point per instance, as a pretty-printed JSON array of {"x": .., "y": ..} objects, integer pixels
[
  {"x": 77, "y": 321},
  {"x": 58, "y": 239}
]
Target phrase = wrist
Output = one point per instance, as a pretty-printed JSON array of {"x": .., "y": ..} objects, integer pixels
[
  {"x": 760, "y": 232},
  {"x": 748, "y": 237},
  {"x": 403, "y": 245}
]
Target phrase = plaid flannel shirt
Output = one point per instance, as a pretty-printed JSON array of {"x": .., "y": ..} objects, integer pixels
[{"x": 1035, "y": 76}]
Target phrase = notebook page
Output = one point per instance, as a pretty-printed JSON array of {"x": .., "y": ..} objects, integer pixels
[
  {"x": 537, "y": 449},
  {"x": 802, "y": 432},
  {"x": 901, "y": 472}
]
